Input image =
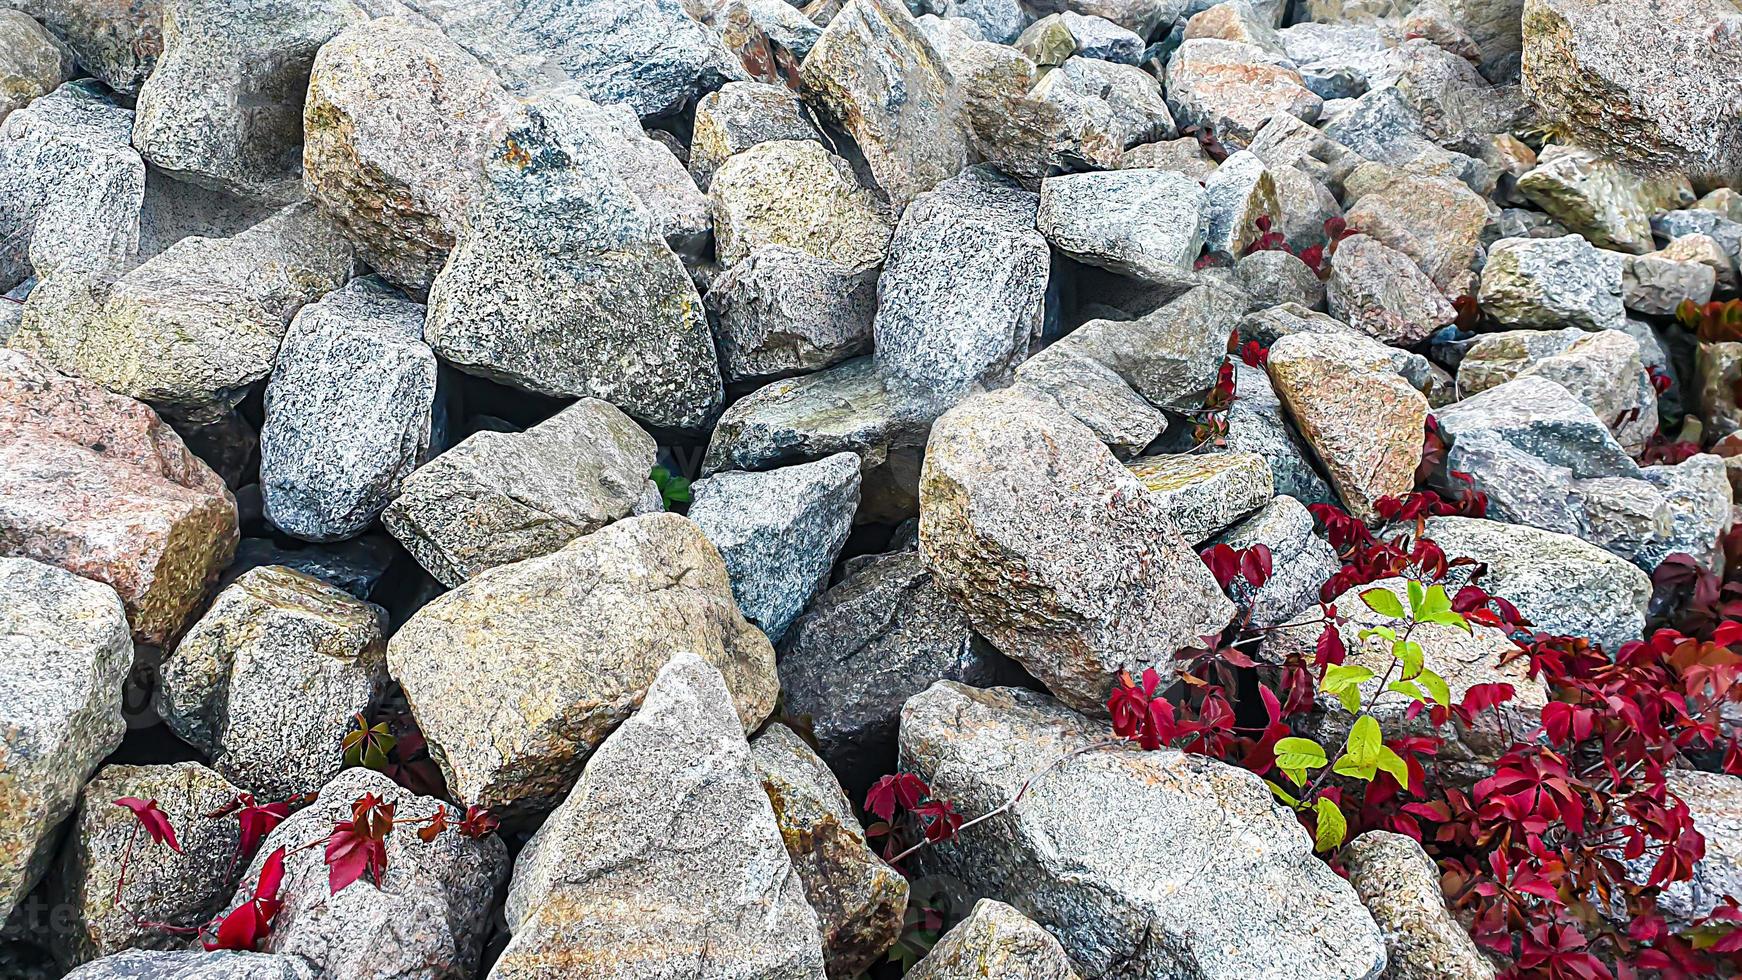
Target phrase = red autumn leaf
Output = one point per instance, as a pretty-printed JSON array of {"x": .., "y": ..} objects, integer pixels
[
  {"x": 1223, "y": 562},
  {"x": 256, "y": 821},
  {"x": 350, "y": 854},
  {"x": 271, "y": 876},
  {"x": 248, "y": 924},
  {"x": 942, "y": 820},
  {"x": 1330, "y": 649},
  {"x": 1255, "y": 565},
  {"x": 900, "y": 791},
  {"x": 154, "y": 820},
  {"x": 478, "y": 823}
]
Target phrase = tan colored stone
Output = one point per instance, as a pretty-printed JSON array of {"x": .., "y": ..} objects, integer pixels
[
  {"x": 97, "y": 484},
  {"x": 798, "y": 194},
  {"x": 1435, "y": 220},
  {"x": 1400, "y": 886},
  {"x": 995, "y": 942},
  {"x": 32, "y": 62},
  {"x": 1234, "y": 88}
]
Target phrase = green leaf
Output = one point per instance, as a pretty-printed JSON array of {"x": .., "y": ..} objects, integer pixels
[
  {"x": 1408, "y": 689},
  {"x": 673, "y": 489},
  {"x": 1282, "y": 794},
  {"x": 1436, "y": 687},
  {"x": 1299, "y": 753},
  {"x": 1331, "y": 826},
  {"x": 1354, "y": 768},
  {"x": 1408, "y": 653},
  {"x": 1344, "y": 681},
  {"x": 1448, "y": 618},
  {"x": 1385, "y": 631},
  {"x": 1365, "y": 740},
  {"x": 1393, "y": 763},
  {"x": 1384, "y": 602},
  {"x": 1435, "y": 601},
  {"x": 1417, "y": 598}
]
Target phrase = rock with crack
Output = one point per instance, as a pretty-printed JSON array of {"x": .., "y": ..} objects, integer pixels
[
  {"x": 71, "y": 186},
  {"x": 1551, "y": 282},
  {"x": 428, "y": 915},
  {"x": 911, "y": 133},
  {"x": 32, "y": 62},
  {"x": 779, "y": 532},
  {"x": 796, "y": 194},
  {"x": 780, "y": 311},
  {"x": 117, "y": 44},
  {"x": 1232, "y": 88},
  {"x": 1400, "y": 885},
  {"x": 1099, "y": 398},
  {"x": 1697, "y": 492},
  {"x": 1434, "y": 219},
  {"x": 65, "y": 652},
  {"x": 1362, "y": 420},
  {"x": 859, "y": 900},
  {"x": 742, "y": 115},
  {"x": 995, "y": 942},
  {"x": 350, "y": 412},
  {"x": 1206, "y": 493},
  {"x": 1237, "y": 198},
  {"x": 97, "y": 484},
  {"x": 189, "y": 884},
  {"x": 1096, "y": 586},
  {"x": 1380, "y": 292},
  {"x": 882, "y": 634},
  {"x": 1602, "y": 369},
  {"x": 192, "y": 328},
  {"x": 500, "y": 497},
  {"x": 1599, "y": 199},
  {"x": 267, "y": 681},
  {"x": 707, "y": 890},
  {"x": 1144, "y": 224},
  {"x": 1070, "y": 854},
  {"x": 1301, "y": 562},
  {"x": 517, "y": 675}
]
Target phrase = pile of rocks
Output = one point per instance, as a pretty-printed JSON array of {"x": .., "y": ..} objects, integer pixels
[{"x": 342, "y": 342}]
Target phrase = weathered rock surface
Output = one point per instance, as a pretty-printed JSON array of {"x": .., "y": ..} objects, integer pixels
[
  {"x": 995, "y": 942},
  {"x": 1069, "y": 854},
  {"x": 1380, "y": 292},
  {"x": 1055, "y": 551},
  {"x": 266, "y": 682},
  {"x": 706, "y": 890},
  {"x": 797, "y": 194},
  {"x": 779, "y": 532},
  {"x": 350, "y": 412},
  {"x": 739, "y": 116},
  {"x": 1099, "y": 398},
  {"x": 499, "y": 497},
  {"x": 781, "y": 311},
  {"x": 1597, "y": 198},
  {"x": 1237, "y": 197},
  {"x": 1232, "y": 88},
  {"x": 1256, "y": 424},
  {"x": 1697, "y": 492},
  {"x": 1400, "y": 886},
  {"x": 64, "y": 652},
  {"x": 32, "y": 62},
  {"x": 97, "y": 484},
  {"x": 190, "y": 964},
  {"x": 1553, "y": 282},
  {"x": 517, "y": 675},
  {"x": 1434, "y": 219},
  {"x": 1205, "y": 493},
  {"x": 1146, "y": 224}
]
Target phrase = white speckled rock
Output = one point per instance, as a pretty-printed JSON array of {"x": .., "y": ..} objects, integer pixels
[
  {"x": 742, "y": 115},
  {"x": 1099, "y": 398},
  {"x": 1239, "y": 193},
  {"x": 1380, "y": 292},
  {"x": 780, "y": 311},
  {"x": 779, "y": 532},
  {"x": 1077, "y": 853},
  {"x": 797, "y": 194},
  {"x": 1146, "y": 224},
  {"x": 705, "y": 890},
  {"x": 1205, "y": 493},
  {"x": 1400, "y": 886},
  {"x": 1552, "y": 282},
  {"x": 995, "y": 942}
]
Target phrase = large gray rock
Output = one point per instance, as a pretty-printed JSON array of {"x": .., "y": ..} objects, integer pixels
[
  {"x": 1599, "y": 199},
  {"x": 1697, "y": 491},
  {"x": 655, "y": 175},
  {"x": 516, "y": 676},
  {"x": 1077, "y": 578},
  {"x": 1256, "y": 424},
  {"x": 192, "y": 328},
  {"x": 70, "y": 185},
  {"x": 188, "y": 964},
  {"x": 396, "y": 127},
  {"x": 1558, "y": 582},
  {"x": 1433, "y": 218},
  {"x": 1603, "y": 369},
  {"x": 272, "y": 632},
  {"x": 781, "y": 311},
  {"x": 1400, "y": 886},
  {"x": 1099, "y": 398},
  {"x": 1232, "y": 88},
  {"x": 995, "y": 942},
  {"x": 117, "y": 44},
  {"x": 1552, "y": 282},
  {"x": 779, "y": 532},
  {"x": 1145, "y": 224},
  {"x": 1237, "y": 197},
  {"x": 220, "y": 55},
  {"x": 562, "y": 282},
  {"x": 1380, "y": 292},
  {"x": 1655, "y": 284},
  {"x": 1102, "y": 108},
  {"x": 1204, "y": 493},
  {"x": 911, "y": 133},
  {"x": 882, "y": 634},
  {"x": 705, "y": 890},
  {"x": 1597, "y": 71},
  {"x": 1301, "y": 562},
  {"x": 429, "y": 914},
  {"x": 65, "y": 650},
  {"x": 350, "y": 412},
  {"x": 739, "y": 116},
  {"x": 500, "y": 497},
  {"x": 1073, "y": 854},
  {"x": 859, "y": 900},
  {"x": 797, "y": 194},
  {"x": 189, "y": 885},
  {"x": 963, "y": 292},
  {"x": 32, "y": 62}
]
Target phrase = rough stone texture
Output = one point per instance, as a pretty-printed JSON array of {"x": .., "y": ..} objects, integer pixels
[
  {"x": 562, "y": 282},
  {"x": 781, "y": 311},
  {"x": 1596, "y": 70},
  {"x": 1552, "y": 282},
  {"x": 190, "y": 964},
  {"x": 1380, "y": 292},
  {"x": 1100, "y": 38},
  {"x": 655, "y": 175},
  {"x": 1103, "y": 107},
  {"x": 162, "y": 885},
  {"x": 876, "y": 75},
  {"x": 995, "y": 942},
  {"x": 397, "y": 123},
  {"x": 356, "y": 566},
  {"x": 1597, "y": 198},
  {"x": 1655, "y": 285},
  {"x": 706, "y": 889},
  {"x": 1256, "y": 424},
  {"x": 1435, "y": 220},
  {"x": 962, "y": 294},
  {"x": 1301, "y": 562},
  {"x": 1145, "y": 224},
  {"x": 1707, "y": 251},
  {"x": 882, "y": 634},
  {"x": 117, "y": 41},
  {"x": 1206, "y": 493},
  {"x": 190, "y": 329},
  {"x": 1625, "y": 516},
  {"x": 1697, "y": 491},
  {"x": 779, "y": 532},
  {"x": 32, "y": 62},
  {"x": 1233, "y": 88},
  {"x": 1099, "y": 398},
  {"x": 1715, "y": 802},
  {"x": 70, "y": 185},
  {"x": 427, "y": 918},
  {"x": 518, "y": 674},
  {"x": 266, "y": 682},
  {"x": 1362, "y": 421},
  {"x": 97, "y": 484},
  {"x": 1236, "y": 196},
  {"x": 797, "y": 194},
  {"x": 349, "y": 412},
  {"x": 64, "y": 653},
  {"x": 1558, "y": 582},
  {"x": 1400, "y": 885},
  {"x": 1717, "y": 367},
  {"x": 1055, "y": 551},
  {"x": 1603, "y": 370},
  {"x": 740, "y": 116},
  {"x": 222, "y": 54},
  {"x": 1072, "y": 855},
  {"x": 858, "y": 899},
  {"x": 849, "y": 407},
  {"x": 500, "y": 497},
  {"x": 1274, "y": 277}
]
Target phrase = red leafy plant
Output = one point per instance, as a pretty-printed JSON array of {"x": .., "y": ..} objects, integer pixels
[{"x": 1317, "y": 257}]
